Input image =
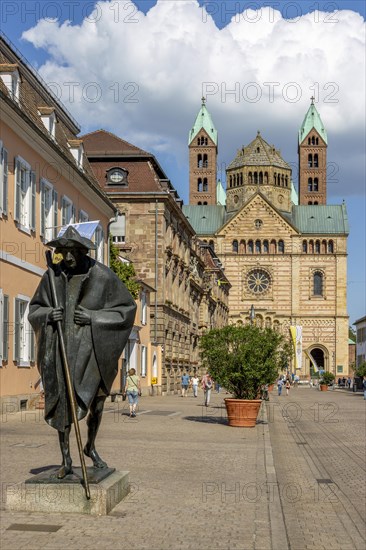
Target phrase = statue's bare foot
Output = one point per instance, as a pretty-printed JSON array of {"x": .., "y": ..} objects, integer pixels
[
  {"x": 64, "y": 471},
  {"x": 97, "y": 461}
]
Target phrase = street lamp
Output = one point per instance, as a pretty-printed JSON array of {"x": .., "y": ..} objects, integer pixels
[{"x": 252, "y": 314}]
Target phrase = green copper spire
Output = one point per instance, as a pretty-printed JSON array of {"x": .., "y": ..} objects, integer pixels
[
  {"x": 204, "y": 121},
  {"x": 220, "y": 194},
  {"x": 312, "y": 120}
]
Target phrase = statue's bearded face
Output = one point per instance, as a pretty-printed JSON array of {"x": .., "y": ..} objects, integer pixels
[{"x": 72, "y": 257}]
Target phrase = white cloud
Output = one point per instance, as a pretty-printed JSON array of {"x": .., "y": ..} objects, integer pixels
[{"x": 149, "y": 73}]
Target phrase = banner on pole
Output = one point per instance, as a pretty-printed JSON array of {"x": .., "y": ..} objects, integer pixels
[{"x": 296, "y": 336}]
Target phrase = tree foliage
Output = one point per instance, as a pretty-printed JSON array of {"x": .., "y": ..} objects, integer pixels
[
  {"x": 327, "y": 378},
  {"x": 361, "y": 370},
  {"x": 124, "y": 271},
  {"x": 244, "y": 358}
]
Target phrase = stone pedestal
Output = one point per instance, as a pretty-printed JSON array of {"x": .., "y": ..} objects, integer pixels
[{"x": 46, "y": 493}]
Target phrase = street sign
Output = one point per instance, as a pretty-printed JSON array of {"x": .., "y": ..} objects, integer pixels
[{"x": 154, "y": 381}]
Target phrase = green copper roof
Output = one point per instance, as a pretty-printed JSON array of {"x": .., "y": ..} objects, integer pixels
[
  {"x": 312, "y": 120},
  {"x": 205, "y": 219},
  {"x": 204, "y": 121},
  {"x": 321, "y": 219},
  {"x": 220, "y": 194}
]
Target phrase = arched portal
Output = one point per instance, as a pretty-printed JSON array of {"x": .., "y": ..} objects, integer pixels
[{"x": 318, "y": 355}]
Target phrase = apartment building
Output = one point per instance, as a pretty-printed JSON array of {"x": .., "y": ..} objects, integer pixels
[{"x": 45, "y": 182}]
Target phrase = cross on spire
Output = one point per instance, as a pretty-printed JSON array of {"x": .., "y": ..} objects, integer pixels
[
  {"x": 203, "y": 99},
  {"x": 312, "y": 99}
]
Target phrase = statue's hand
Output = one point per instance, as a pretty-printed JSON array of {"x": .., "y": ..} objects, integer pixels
[
  {"x": 57, "y": 314},
  {"x": 82, "y": 316}
]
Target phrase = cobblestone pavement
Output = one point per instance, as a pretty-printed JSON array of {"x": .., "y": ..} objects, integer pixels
[
  {"x": 318, "y": 441},
  {"x": 296, "y": 481}
]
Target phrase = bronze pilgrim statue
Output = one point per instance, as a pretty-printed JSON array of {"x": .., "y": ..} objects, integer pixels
[{"x": 95, "y": 313}]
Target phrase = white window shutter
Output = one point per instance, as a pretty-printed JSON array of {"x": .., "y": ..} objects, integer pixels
[
  {"x": 17, "y": 331},
  {"x": 5, "y": 332},
  {"x": 17, "y": 191},
  {"x": 43, "y": 224},
  {"x": 33, "y": 201},
  {"x": 55, "y": 213},
  {"x": 32, "y": 347},
  {"x": 64, "y": 203}
]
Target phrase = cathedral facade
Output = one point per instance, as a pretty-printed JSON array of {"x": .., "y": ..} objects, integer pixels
[{"x": 285, "y": 254}]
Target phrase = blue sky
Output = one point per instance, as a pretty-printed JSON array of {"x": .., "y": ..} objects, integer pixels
[{"x": 141, "y": 68}]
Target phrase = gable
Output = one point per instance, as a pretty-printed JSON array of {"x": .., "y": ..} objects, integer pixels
[
  {"x": 257, "y": 219},
  {"x": 202, "y": 133},
  {"x": 313, "y": 132}
]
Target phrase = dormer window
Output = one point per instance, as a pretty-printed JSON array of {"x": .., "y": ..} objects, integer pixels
[
  {"x": 48, "y": 118},
  {"x": 9, "y": 74},
  {"x": 117, "y": 176},
  {"x": 77, "y": 151}
]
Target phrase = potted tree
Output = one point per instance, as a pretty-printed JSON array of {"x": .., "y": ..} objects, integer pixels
[
  {"x": 326, "y": 379},
  {"x": 243, "y": 359}
]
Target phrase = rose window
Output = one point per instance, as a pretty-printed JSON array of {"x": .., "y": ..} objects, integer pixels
[{"x": 258, "y": 281}]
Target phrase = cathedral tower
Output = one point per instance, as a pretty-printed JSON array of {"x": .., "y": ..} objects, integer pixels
[
  {"x": 313, "y": 143},
  {"x": 258, "y": 167},
  {"x": 202, "y": 143}
]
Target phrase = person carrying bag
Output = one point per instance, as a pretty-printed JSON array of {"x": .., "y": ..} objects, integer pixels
[{"x": 132, "y": 390}]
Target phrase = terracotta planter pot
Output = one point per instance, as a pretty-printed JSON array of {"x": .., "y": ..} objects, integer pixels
[
  {"x": 242, "y": 412},
  {"x": 323, "y": 387},
  {"x": 270, "y": 387}
]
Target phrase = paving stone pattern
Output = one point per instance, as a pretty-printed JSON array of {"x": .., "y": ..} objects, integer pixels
[{"x": 198, "y": 484}]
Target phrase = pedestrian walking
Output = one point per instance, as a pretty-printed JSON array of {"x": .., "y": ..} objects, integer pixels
[
  {"x": 132, "y": 390},
  {"x": 185, "y": 384},
  {"x": 207, "y": 384},
  {"x": 349, "y": 382},
  {"x": 195, "y": 381},
  {"x": 364, "y": 387},
  {"x": 287, "y": 386},
  {"x": 279, "y": 385}
]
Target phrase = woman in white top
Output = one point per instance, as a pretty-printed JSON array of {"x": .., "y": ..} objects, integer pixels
[
  {"x": 194, "y": 382},
  {"x": 133, "y": 390}
]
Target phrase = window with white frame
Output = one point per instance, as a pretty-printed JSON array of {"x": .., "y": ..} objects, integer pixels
[
  {"x": 49, "y": 121},
  {"x": 118, "y": 229},
  {"x": 23, "y": 333},
  {"x": 11, "y": 80},
  {"x": 83, "y": 216},
  {"x": 67, "y": 211},
  {"x": 143, "y": 361},
  {"x": 143, "y": 307},
  {"x": 99, "y": 243},
  {"x": 4, "y": 326},
  {"x": 25, "y": 195},
  {"x": 49, "y": 207},
  {"x": 3, "y": 180},
  {"x": 77, "y": 151}
]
